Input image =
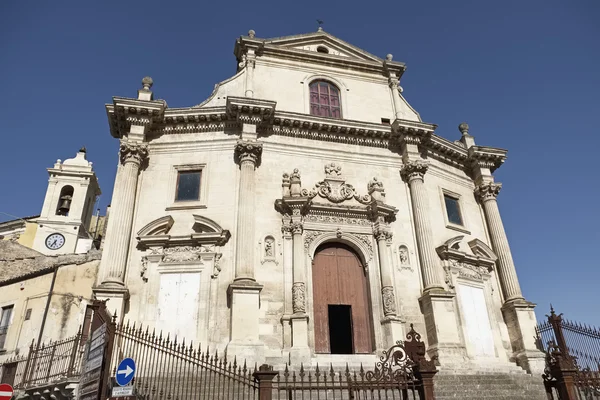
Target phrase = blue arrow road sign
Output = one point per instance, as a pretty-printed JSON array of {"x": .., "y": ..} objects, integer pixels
[{"x": 125, "y": 372}]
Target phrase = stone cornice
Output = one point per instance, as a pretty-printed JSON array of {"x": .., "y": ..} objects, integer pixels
[
  {"x": 486, "y": 157},
  {"x": 250, "y": 111},
  {"x": 125, "y": 112},
  {"x": 284, "y": 123}
]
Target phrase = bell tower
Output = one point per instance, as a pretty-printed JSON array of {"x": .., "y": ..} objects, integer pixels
[{"x": 68, "y": 206}]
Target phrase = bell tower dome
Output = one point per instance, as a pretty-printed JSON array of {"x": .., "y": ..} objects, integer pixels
[{"x": 64, "y": 221}]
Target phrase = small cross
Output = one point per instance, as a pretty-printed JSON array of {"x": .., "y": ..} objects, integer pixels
[{"x": 320, "y": 22}]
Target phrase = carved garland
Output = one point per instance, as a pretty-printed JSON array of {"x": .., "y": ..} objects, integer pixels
[
  {"x": 389, "y": 300},
  {"x": 179, "y": 254},
  {"x": 299, "y": 297}
]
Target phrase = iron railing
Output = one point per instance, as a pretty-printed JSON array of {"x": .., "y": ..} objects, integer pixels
[
  {"x": 572, "y": 358},
  {"x": 46, "y": 363},
  {"x": 172, "y": 369},
  {"x": 175, "y": 370}
]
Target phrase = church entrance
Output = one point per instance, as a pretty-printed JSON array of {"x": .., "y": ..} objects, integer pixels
[{"x": 342, "y": 316}]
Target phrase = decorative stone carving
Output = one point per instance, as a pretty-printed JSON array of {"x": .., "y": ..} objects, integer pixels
[
  {"x": 285, "y": 185},
  {"x": 248, "y": 150},
  {"x": 328, "y": 219},
  {"x": 389, "y": 300},
  {"x": 366, "y": 239},
  {"x": 216, "y": 266},
  {"x": 403, "y": 255},
  {"x": 134, "y": 152},
  {"x": 268, "y": 250},
  {"x": 338, "y": 233},
  {"x": 143, "y": 269},
  {"x": 287, "y": 229},
  {"x": 309, "y": 237},
  {"x": 299, "y": 297},
  {"x": 414, "y": 170},
  {"x": 333, "y": 170},
  {"x": 381, "y": 234},
  {"x": 488, "y": 191},
  {"x": 295, "y": 183},
  {"x": 182, "y": 254},
  {"x": 269, "y": 247},
  {"x": 376, "y": 190},
  {"x": 448, "y": 277},
  {"x": 469, "y": 271},
  {"x": 297, "y": 228}
]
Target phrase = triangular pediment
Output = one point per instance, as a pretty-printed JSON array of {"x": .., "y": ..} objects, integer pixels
[{"x": 323, "y": 43}]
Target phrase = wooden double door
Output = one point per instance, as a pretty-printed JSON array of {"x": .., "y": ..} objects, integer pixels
[{"x": 341, "y": 306}]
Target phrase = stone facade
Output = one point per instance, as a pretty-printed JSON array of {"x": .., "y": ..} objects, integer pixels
[{"x": 232, "y": 267}]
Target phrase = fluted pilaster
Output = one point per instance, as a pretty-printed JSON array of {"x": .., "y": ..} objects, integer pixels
[
  {"x": 299, "y": 274},
  {"x": 388, "y": 296},
  {"x": 507, "y": 272},
  {"x": 247, "y": 155},
  {"x": 113, "y": 265},
  {"x": 414, "y": 172}
]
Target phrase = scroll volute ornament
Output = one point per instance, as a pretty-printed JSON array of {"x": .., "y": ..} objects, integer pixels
[
  {"x": 488, "y": 191},
  {"x": 135, "y": 152},
  {"x": 248, "y": 151}
]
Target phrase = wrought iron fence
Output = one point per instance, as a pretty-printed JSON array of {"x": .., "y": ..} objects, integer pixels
[
  {"x": 175, "y": 370},
  {"x": 172, "y": 369},
  {"x": 572, "y": 358},
  {"x": 46, "y": 363}
]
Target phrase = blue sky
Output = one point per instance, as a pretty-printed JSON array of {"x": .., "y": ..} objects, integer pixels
[{"x": 523, "y": 74}]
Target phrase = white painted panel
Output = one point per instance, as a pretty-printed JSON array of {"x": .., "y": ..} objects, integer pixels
[
  {"x": 478, "y": 332},
  {"x": 178, "y": 299}
]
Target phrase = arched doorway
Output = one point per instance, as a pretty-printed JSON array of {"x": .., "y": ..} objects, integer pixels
[{"x": 341, "y": 307}]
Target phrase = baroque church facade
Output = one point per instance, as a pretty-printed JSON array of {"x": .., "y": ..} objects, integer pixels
[{"x": 304, "y": 212}]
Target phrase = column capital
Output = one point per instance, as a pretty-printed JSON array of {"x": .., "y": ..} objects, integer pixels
[
  {"x": 414, "y": 170},
  {"x": 383, "y": 234},
  {"x": 135, "y": 152},
  {"x": 488, "y": 191},
  {"x": 287, "y": 229},
  {"x": 393, "y": 82},
  {"x": 297, "y": 228},
  {"x": 248, "y": 150}
]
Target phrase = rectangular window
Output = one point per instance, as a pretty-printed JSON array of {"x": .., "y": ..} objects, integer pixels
[
  {"x": 5, "y": 316},
  {"x": 188, "y": 186},
  {"x": 453, "y": 210}
]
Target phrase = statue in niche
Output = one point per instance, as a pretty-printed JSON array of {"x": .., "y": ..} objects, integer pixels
[
  {"x": 269, "y": 247},
  {"x": 403, "y": 254}
]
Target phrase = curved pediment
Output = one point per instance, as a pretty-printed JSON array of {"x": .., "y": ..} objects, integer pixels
[
  {"x": 203, "y": 231},
  {"x": 205, "y": 225},
  {"x": 160, "y": 226},
  {"x": 482, "y": 250}
]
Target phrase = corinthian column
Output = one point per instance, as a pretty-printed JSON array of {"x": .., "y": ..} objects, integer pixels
[
  {"x": 118, "y": 234},
  {"x": 247, "y": 155},
  {"x": 413, "y": 172},
  {"x": 487, "y": 194},
  {"x": 384, "y": 240},
  {"x": 393, "y": 84}
]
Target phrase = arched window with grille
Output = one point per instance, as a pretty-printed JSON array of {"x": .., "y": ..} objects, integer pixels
[{"x": 325, "y": 99}]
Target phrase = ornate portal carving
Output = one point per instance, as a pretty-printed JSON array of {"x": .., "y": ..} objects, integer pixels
[
  {"x": 248, "y": 150},
  {"x": 488, "y": 191},
  {"x": 135, "y": 152},
  {"x": 299, "y": 297},
  {"x": 414, "y": 170},
  {"x": 389, "y": 300},
  {"x": 331, "y": 219},
  {"x": 182, "y": 254}
]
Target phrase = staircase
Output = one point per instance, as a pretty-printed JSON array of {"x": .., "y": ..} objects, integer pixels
[{"x": 488, "y": 385}]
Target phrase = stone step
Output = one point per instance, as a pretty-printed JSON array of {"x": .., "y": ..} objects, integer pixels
[{"x": 489, "y": 386}]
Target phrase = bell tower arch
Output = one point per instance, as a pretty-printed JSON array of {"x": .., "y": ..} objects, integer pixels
[{"x": 68, "y": 206}]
